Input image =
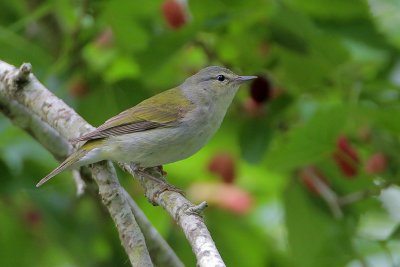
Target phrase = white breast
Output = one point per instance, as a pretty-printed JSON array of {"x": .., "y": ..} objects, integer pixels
[{"x": 166, "y": 145}]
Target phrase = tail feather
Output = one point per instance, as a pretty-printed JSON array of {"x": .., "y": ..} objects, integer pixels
[{"x": 73, "y": 158}]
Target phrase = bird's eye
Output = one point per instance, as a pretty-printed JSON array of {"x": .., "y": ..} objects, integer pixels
[{"x": 221, "y": 78}]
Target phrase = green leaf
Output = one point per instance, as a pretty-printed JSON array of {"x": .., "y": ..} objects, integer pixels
[
  {"x": 386, "y": 15},
  {"x": 238, "y": 242},
  {"x": 122, "y": 68},
  {"x": 254, "y": 139},
  {"x": 308, "y": 143},
  {"x": 127, "y": 20},
  {"x": 15, "y": 240},
  {"x": 385, "y": 117},
  {"x": 309, "y": 59},
  {"x": 339, "y": 9},
  {"x": 98, "y": 58},
  {"x": 315, "y": 239},
  {"x": 283, "y": 27}
]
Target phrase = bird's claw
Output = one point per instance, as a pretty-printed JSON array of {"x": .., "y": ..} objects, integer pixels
[{"x": 196, "y": 209}]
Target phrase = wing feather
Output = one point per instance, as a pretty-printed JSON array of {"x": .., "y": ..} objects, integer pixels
[{"x": 162, "y": 110}]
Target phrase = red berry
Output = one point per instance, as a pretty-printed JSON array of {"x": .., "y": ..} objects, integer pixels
[
  {"x": 175, "y": 13},
  {"x": 346, "y": 157},
  {"x": 260, "y": 89},
  {"x": 105, "y": 39},
  {"x": 377, "y": 163},
  {"x": 307, "y": 177},
  {"x": 223, "y": 165},
  {"x": 234, "y": 199},
  {"x": 263, "y": 49},
  {"x": 32, "y": 216},
  {"x": 79, "y": 88},
  {"x": 226, "y": 196}
]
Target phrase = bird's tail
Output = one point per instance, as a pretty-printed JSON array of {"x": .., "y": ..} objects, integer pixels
[{"x": 73, "y": 158}]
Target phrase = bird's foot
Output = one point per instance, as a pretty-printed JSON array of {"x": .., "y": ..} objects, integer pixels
[
  {"x": 168, "y": 187},
  {"x": 196, "y": 209},
  {"x": 162, "y": 185},
  {"x": 161, "y": 170}
]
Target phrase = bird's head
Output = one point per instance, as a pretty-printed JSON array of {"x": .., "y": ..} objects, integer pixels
[{"x": 214, "y": 83}]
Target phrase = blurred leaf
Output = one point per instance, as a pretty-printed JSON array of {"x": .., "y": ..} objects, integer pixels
[
  {"x": 284, "y": 25},
  {"x": 386, "y": 14},
  {"x": 14, "y": 242},
  {"x": 257, "y": 133},
  {"x": 126, "y": 20},
  {"x": 361, "y": 30},
  {"x": 315, "y": 239},
  {"x": 376, "y": 226},
  {"x": 10, "y": 11},
  {"x": 16, "y": 49},
  {"x": 15, "y": 148},
  {"x": 381, "y": 117},
  {"x": 41, "y": 11},
  {"x": 254, "y": 139},
  {"x": 308, "y": 143},
  {"x": 122, "y": 68},
  {"x": 98, "y": 58},
  {"x": 222, "y": 225},
  {"x": 164, "y": 46},
  {"x": 314, "y": 71},
  {"x": 340, "y": 9}
]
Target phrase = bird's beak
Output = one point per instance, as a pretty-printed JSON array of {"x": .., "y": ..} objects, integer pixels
[{"x": 245, "y": 78}]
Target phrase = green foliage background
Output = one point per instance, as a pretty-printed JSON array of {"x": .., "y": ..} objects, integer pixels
[{"x": 336, "y": 66}]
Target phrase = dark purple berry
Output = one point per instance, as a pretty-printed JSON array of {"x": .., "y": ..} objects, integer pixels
[{"x": 260, "y": 89}]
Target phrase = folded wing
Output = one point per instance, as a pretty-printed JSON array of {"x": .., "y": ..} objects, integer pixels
[{"x": 163, "y": 110}]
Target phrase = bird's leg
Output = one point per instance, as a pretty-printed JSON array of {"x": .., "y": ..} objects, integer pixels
[
  {"x": 168, "y": 187},
  {"x": 142, "y": 171},
  {"x": 164, "y": 186},
  {"x": 161, "y": 170}
]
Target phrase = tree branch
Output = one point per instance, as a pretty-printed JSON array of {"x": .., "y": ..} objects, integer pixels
[
  {"x": 160, "y": 251},
  {"x": 35, "y": 97},
  {"x": 29, "y": 104},
  {"x": 185, "y": 214}
]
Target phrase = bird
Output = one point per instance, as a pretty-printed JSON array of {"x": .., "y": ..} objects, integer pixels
[{"x": 165, "y": 128}]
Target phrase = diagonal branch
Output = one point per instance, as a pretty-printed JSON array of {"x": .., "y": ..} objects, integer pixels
[
  {"x": 160, "y": 251},
  {"x": 29, "y": 104},
  {"x": 185, "y": 214}
]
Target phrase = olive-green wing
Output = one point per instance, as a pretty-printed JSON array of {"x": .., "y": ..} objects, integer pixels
[{"x": 162, "y": 110}]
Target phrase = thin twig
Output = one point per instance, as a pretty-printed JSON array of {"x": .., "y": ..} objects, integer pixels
[
  {"x": 80, "y": 184},
  {"x": 327, "y": 194}
]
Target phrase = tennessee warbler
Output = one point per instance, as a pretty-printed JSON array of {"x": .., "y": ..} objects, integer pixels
[{"x": 165, "y": 128}]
